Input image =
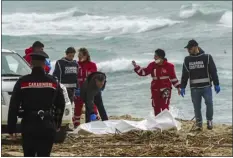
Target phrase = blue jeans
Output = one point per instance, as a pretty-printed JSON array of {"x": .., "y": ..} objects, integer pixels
[{"x": 197, "y": 94}]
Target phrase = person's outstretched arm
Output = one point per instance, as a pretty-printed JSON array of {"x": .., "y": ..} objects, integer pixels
[{"x": 142, "y": 71}]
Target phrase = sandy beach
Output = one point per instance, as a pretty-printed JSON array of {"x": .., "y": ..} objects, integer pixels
[{"x": 216, "y": 142}]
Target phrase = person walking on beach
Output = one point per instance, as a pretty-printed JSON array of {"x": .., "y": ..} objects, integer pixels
[
  {"x": 163, "y": 77},
  {"x": 37, "y": 46},
  {"x": 91, "y": 87},
  {"x": 86, "y": 67},
  {"x": 41, "y": 100},
  {"x": 200, "y": 68}
]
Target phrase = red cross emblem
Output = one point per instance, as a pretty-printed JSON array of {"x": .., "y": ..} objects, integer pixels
[{"x": 164, "y": 70}]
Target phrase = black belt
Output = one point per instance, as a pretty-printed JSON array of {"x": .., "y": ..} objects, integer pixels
[{"x": 40, "y": 113}]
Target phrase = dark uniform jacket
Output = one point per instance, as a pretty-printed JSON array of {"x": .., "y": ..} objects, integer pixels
[
  {"x": 89, "y": 90},
  {"x": 34, "y": 92},
  {"x": 67, "y": 72},
  {"x": 200, "y": 69}
]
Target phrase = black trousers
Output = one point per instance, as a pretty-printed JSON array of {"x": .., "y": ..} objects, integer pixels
[
  {"x": 38, "y": 143},
  {"x": 70, "y": 92},
  {"x": 100, "y": 106}
]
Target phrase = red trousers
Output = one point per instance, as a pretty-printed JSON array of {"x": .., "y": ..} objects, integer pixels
[
  {"x": 158, "y": 102},
  {"x": 78, "y": 110}
]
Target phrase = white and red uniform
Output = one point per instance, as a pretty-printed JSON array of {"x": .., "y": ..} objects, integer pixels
[
  {"x": 85, "y": 68},
  {"x": 163, "y": 77}
]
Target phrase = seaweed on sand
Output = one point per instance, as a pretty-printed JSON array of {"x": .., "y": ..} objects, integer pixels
[{"x": 216, "y": 142}]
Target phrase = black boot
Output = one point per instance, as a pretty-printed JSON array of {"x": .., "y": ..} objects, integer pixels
[
  {"x": 209, "y": 124},
  {"x": 197, "y": 126}
]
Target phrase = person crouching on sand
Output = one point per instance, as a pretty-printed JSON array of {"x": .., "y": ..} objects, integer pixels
[
  {"x": 86, "y": 67},
  {"x": 89, "y": 90},
  {"x": 163, "y": 77}
]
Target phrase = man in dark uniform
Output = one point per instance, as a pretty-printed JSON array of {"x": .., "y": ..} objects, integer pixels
[
  {"x": 66, "y": 70},
  {"x": 200, "y": 68},
  {"x": 42, "y": 104},
  {"x": 90, "y": 92}
]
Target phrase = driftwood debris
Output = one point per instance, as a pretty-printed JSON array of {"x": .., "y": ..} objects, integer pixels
[{"x": 216, "y": 142}]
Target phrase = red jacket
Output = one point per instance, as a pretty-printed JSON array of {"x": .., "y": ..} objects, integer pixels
[
  {"x": 85, "y": 68},
  {"x": 27, "y": 56},
  {"x": 163, "y": 76}
]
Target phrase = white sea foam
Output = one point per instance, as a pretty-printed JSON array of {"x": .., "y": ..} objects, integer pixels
[{"x": 74, "y": 22}]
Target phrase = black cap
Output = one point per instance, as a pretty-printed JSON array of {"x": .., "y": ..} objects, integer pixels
[
  {"x": 191, "y": 43},
  {"x": 39, "y": 55},
  {"x": 160, "y": 53}
]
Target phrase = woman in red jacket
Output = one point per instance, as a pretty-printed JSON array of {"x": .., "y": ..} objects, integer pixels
[
  {"x": 86, "y": 67},
  {"x": 163, "y": 77}
]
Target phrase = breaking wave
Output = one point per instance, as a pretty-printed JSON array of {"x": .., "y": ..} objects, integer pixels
[
  {"x": 226, "y": 19},
  {"x": 76, "y": 22},
  {"x": 196, "y": 12},
  {"x": 125, "y": 65},
  {"x": 118, "y": 65},
  {"x": 121, "y": 64}
]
